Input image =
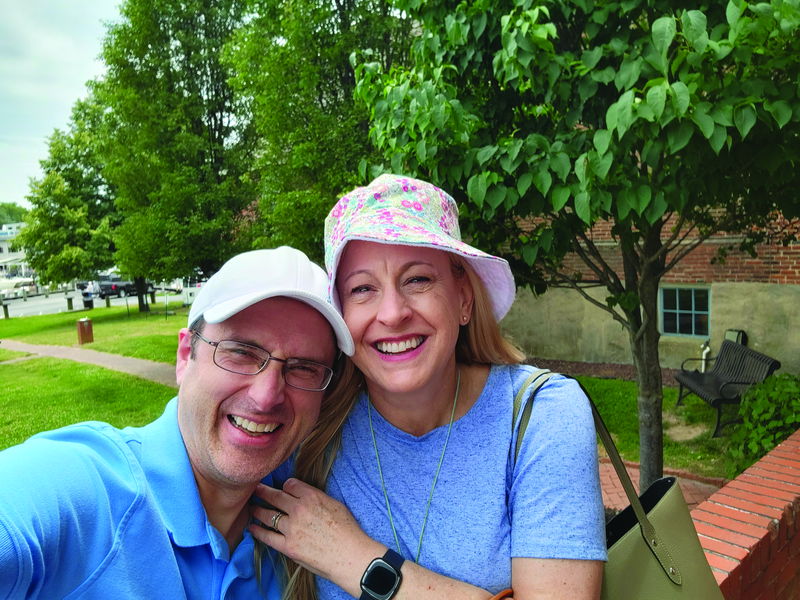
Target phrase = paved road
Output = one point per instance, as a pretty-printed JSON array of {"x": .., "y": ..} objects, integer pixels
[{"x": 57, "y": 303}]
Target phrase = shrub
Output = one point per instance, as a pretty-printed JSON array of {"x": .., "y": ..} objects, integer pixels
[{"x": 770, "y": 413}]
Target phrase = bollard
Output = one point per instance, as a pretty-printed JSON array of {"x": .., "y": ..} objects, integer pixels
[
  {"x": 85, "y": 331},
  {"x": 5, "y": 310},
  {"x": 69, "y": 302},
  {"x": 108, "y": 301},
  {"x": 153, "y": 297}
]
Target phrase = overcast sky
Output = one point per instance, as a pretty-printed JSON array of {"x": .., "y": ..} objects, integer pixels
[{"x": 48, "y": 51}]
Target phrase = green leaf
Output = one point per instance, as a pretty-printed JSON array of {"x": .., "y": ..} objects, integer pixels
[
  {"x": 583, "y": 207},
  {"x": 590, "y": 58},
  {"x": 718, "y": 138},
  {"x": 625, "y": 202},
  {"x": 663, "y": 34},
  {"x": 678, "y": 136},
  {"x": 643, "y": 196},
  {"x": 628, "y": 73},
  {"x": 780, "y": 111},
  {"x": 560, "y": 165},
  {"x": 476, "y": 188},
  {"x": 656, "y": 209},
  {"x": 602, "y": 138},
  {"x": 524, "y": 182},
  {"x": 704, "y": 122},
  {"x": 733, "y": 12},
  {"x": 529, "y": 254},
  {"x": 680, "y": 97},
  {"x": 624, "y": 112},
  {"x": 657, "y": 98},
  {"x": 421, "y": 150},
  {"x": 744, "y": 118},
  {"x": 581, "y": 164},
  {"x": 559, "y": 197},
  {"x": 543, "y": 180},
  {"x": 485, "y": 153},
  {"x": 694, "y": 28},
  {"x": 496, "y": 195},
  {"x": 600, "y": 164}
]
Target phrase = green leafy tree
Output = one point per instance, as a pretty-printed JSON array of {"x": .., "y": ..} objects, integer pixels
[
  {"x": 11, "y": 213},
  {"x": 69, "y": 227},
  {"x": 178, "y": 145},
  {"x": 292, "y": 67},
  {"x": 670, "y": 121}
]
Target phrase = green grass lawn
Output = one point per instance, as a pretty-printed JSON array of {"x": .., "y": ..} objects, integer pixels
[
  {"x": 46, "y": 393},
  {"x": 9, "y": 354},
  {"x": 688, "y": 444}
]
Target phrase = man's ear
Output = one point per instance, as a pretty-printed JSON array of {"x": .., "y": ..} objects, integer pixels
[{"x": 184, "y": 353}]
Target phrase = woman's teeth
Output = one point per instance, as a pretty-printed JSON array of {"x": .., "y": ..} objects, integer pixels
[{"x": 397, "y": 347}]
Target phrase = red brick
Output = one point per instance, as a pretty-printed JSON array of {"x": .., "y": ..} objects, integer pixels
[
  {"x": 722, "y": 548},
  {"x": 712, "y": 507},
  {"x": 730, "y": 524},
  {"x": 768, "y": 471},
  {"x": 752, "y": 477},
  {"x": 736, "y": 501},
  {"x": 726, "y": 535},
  {"x": 737, "y": 490},
  {"x": 776, "y": 496}
]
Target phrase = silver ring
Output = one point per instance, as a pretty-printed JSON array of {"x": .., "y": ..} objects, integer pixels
[{"x": 275, "y": 518}]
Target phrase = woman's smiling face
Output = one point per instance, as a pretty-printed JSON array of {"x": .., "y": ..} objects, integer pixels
[{"x": 404, "y": 306}]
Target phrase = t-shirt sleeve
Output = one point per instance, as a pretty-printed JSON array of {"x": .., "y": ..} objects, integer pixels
[{"x": 555, "y": 501}]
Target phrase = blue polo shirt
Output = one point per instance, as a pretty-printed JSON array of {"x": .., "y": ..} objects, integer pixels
[{"x": 90, "y": 511}]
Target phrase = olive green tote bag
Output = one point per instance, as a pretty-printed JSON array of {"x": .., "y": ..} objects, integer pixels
[{"x": 653, "y": 549}]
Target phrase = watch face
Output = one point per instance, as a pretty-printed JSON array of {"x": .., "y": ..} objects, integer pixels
[{"x": 381, "y": 579}]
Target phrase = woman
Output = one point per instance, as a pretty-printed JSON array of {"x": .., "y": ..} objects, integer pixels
[{"x": 421, "y": 476}]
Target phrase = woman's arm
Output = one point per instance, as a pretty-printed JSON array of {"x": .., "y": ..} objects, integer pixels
[
  {"x": 556, "y": 579},
  {"x": 319, "y": 533}
]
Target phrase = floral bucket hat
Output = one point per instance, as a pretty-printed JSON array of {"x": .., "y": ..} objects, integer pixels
[{"x": 404, "y": 211}]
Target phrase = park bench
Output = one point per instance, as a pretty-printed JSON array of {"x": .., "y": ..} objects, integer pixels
[{"x": 732, "y": 371}]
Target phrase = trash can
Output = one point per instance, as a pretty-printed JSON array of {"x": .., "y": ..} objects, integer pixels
[
  {"x": 88, "y": 300},
  {"x": 85, "y": 331}
]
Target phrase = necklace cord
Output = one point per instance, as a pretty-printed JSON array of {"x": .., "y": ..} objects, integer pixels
[{"x": 435, "y": 477}]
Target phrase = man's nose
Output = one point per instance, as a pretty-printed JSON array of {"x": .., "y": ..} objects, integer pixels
[{"x": 268, "y": 387}]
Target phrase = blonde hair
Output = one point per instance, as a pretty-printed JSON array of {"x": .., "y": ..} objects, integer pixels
[{"x": 479, "y": 342}]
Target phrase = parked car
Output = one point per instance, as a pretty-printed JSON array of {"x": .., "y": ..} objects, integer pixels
[
  {"x": 115, "y": 285},
  {"x": 16, "y": 286}
]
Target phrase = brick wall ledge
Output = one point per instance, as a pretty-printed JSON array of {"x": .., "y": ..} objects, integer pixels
[{"x": 749, "y": 528}]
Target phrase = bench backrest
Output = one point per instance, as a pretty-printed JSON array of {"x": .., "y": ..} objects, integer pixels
[{"x": 740, "y": 363}]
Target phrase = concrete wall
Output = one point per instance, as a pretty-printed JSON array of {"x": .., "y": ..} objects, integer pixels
[{"x": 561, "y": 324}]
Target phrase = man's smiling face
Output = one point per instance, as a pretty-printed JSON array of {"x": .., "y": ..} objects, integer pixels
[{"x": 238, "y": 428}]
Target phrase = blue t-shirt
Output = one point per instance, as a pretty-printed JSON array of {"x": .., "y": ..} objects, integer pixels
[
  {"x": 486, "y": 508},
  {"x": 93, "y": 512}
]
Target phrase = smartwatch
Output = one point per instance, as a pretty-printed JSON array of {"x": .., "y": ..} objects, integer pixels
[{"x": 382, "y": 578}]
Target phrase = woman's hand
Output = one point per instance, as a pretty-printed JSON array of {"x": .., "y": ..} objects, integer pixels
[{"x": 313, "y": 532}]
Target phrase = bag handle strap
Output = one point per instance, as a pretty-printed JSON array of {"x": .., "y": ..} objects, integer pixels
[{"x": 651, "y": 537}]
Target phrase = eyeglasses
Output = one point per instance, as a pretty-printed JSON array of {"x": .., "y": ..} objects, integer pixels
[{"x": 246, "y": 359}]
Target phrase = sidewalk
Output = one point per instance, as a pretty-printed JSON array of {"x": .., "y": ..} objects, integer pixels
[
  {"x": 695, "y": 489},
  {"x": 146, "y": 369}
]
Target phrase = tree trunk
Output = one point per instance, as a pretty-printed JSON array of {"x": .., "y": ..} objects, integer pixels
[
  {"x": 644, "y": 347},
  {"x": 141, "y": 294}
]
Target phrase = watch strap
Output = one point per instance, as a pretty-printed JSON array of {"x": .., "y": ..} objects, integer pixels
[{"x": 393, "y": 560}]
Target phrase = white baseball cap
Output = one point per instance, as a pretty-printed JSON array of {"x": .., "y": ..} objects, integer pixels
[{"x": 253, "y": 276}]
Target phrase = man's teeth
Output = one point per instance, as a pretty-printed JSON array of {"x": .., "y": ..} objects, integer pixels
[
  {"x": 397, "y": 347},
  {"x": 252, "y": 427}
]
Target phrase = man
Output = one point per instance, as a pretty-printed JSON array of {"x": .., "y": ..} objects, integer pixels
[{"x": 161, "y": 511}]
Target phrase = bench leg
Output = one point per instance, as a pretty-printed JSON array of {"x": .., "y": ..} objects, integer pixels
[
  {"x": 720, "y": 423},
  {"x": 681, "y": 395}
]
